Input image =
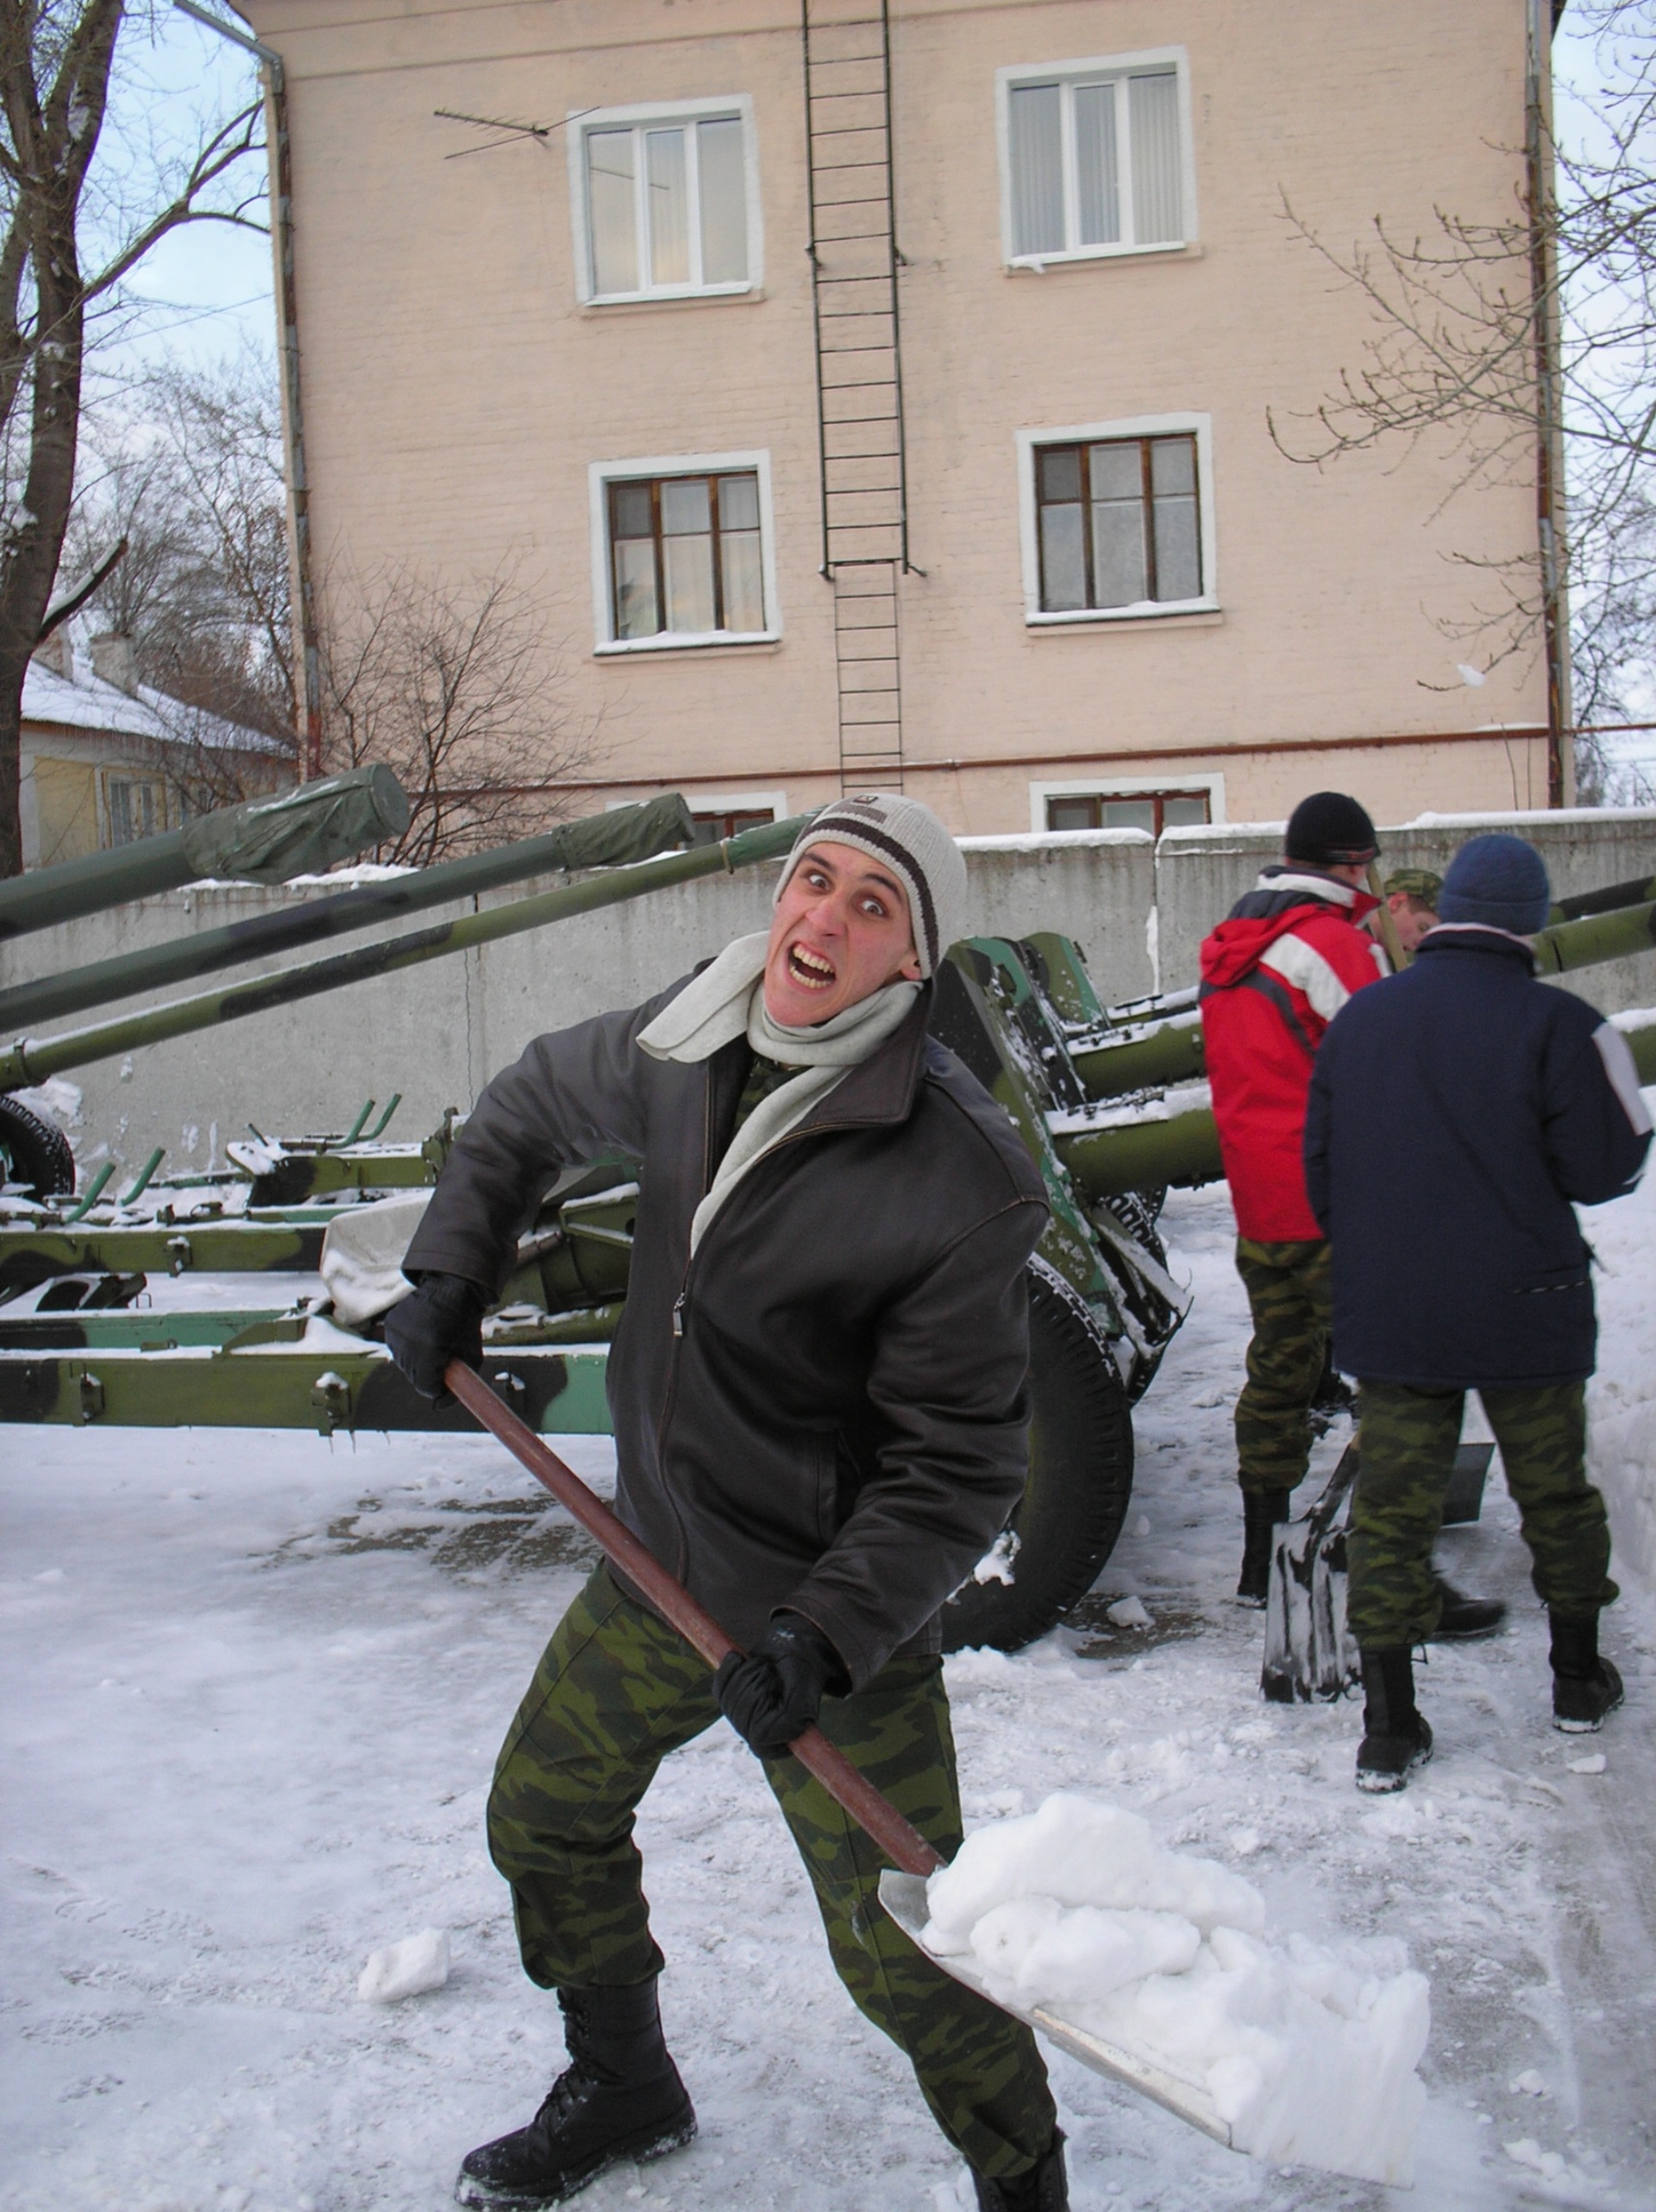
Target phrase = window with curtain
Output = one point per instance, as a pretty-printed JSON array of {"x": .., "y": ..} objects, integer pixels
[
  {"x": 1118, "y": 524},
  {"x": 1096, "y": 159},
  {"x": 137, "y": 807},
  {"x": 685, "y": 556},
  {"x": 666, "y": 204},
  {"x": 1154, "y": 810}
]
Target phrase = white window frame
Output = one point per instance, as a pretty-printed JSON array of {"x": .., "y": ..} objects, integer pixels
[
  {"x": 1108, "y": 786},
  {"x": 1089, "y": 72},
  {"x": 1133, "y": 426},
  {"x": 583, "y": 121},
  {"x": 600, "y": 474}
]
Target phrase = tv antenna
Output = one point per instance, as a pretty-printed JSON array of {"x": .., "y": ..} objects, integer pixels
[{"x": 513, "y": 131}]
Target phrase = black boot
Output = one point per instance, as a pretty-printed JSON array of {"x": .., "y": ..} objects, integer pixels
[
  {"x": 1044, "y": 2188},
  {"x": 619, "y": 2097},
  {"x": 1584, "y": 1686},
  {"x": 1462, "y": 1619},
  {"x": 1395, "y": 1739},
  {"x": 1261, "y": 1512}
]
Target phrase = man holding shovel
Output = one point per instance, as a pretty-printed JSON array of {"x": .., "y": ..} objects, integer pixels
[
  {"x": 820, "y": 1412},
  {"x": 1454, "y": 1118}
]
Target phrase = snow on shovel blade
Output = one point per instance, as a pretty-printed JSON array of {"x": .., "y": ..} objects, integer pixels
[{"x": 903, "y": 1896}]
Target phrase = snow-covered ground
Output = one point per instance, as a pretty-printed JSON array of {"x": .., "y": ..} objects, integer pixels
[{"x": 254, "y": 1683}]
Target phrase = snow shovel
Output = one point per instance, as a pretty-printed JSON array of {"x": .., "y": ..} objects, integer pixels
[
  {"x": 1308, "y": 1653},
  {"x": 901, "y": 1892}
]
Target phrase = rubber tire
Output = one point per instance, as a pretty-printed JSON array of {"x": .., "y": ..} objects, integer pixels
[
  {"x": 1080, "y": 1478},
  {"x": 39, "y": 1151}
]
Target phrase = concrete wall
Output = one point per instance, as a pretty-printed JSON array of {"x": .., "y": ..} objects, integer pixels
[
  {"x": 437, "y": 1032},
  {"x": 457, "y": 390}
]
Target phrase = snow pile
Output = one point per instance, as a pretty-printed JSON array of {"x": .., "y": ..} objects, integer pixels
[
  {"x": 1308, "y": 2053},
  {"x": 407, "y": 1968}
]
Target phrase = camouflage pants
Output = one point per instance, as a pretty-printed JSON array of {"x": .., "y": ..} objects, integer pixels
[
  {"x": 616, "y": 1691},
  {"x": 1408, "y": 1442},
  {"x": 1287, "y": 1292}
]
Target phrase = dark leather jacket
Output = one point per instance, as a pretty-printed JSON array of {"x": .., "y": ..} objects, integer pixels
[{"x": 827, "y": 1409}]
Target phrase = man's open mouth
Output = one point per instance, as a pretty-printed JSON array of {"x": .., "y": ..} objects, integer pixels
[{"x": 809, "y": 969}]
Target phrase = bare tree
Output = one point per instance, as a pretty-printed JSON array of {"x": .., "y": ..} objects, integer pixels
[
  {"x": 1499, "y": 339},
  {"x": 457, "y": 684},
  {"x": 190, "y": 475},
  {"x": 67, "y": 246},
  {"x": 459, "y": 687}
]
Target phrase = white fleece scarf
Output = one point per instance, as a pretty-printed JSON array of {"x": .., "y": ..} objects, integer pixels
[{"x": 727, "y": 1000}]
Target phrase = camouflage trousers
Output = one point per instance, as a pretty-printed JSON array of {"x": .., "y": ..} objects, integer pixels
[
  {"x": 1408, "y": 1441},
  {"x": 616, "y": 1691},
  {"x": 1288, "y": 1297}
]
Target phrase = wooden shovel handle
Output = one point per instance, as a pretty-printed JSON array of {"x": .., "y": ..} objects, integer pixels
[{"x": 905, "y": 1846}]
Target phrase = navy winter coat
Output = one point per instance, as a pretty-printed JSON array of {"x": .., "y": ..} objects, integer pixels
[{"x": 1456, "y": 1111}]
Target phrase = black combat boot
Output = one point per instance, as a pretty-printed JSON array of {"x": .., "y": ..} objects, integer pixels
[
  {"x": 1395, "y": 1739},
  {"x": 1044, "y": 2188},
  {"x": 1584, "y": 1686},
  {"x": 1261, "y": 1512},
  {"x": 619, "y": 2097},
  {"x": 1461, "y": 1619}
]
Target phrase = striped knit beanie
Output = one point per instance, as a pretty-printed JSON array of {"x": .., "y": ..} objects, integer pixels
[{"x": 908, "y": 839}]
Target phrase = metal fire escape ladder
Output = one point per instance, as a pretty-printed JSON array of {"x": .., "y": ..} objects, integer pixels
[{"x": 853, "y": 265}]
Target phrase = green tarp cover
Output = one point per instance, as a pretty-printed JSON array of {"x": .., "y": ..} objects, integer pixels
[
  {"x": 627, "y": 833},
  {"x": 300, "y": 833}
]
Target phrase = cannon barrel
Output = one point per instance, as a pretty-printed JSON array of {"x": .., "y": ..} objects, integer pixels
[
  {"x": 263, "y": 841},
  {"x": 1642, "y": 888},
  {"x": 625, "y": 834},
  {"x": 1611, "y": 936},
  {"x": 32, "y": 1060}
]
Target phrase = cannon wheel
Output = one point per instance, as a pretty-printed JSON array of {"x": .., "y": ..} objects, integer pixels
[
  {"x": 1080, "y": 1477},
  {"x": 36, "y": 1153}
]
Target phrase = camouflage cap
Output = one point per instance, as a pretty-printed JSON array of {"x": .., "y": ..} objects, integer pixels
[{"x": 1419, "y": 882}]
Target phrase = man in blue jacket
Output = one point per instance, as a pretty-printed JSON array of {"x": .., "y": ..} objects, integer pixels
[{"x": 1457, "y": 1110}]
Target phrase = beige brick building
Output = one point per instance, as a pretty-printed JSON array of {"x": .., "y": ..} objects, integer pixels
[{"x": 596, "y": 350}]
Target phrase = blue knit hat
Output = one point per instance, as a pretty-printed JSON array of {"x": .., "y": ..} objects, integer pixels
[{"x": 1500, "y": 881}]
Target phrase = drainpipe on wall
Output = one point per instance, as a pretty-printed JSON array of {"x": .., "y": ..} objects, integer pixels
[
  {"x": 287, "y": 328},
  {"x": 1549, "y": 428}
]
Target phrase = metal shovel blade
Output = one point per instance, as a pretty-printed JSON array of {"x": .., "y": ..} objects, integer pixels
[
  {"x": 903, "y": 1896},
  {"x": 1307, "y": 1653}
]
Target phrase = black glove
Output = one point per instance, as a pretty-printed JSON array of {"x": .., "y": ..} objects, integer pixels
[
  {"x": 772, "y": 1695},
  {"x": 442, "y": 1320}
]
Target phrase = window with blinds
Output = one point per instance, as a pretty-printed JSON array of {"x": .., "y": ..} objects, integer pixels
[
  {"x": 1094, "y": 157},
  {"x": 663, "y": 202}
]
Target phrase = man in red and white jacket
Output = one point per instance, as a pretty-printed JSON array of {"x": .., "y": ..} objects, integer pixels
[{"x": 1274, "y": 975}]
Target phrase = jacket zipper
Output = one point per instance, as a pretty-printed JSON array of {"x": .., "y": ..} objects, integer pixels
[{"x": 681, "y": 1302}]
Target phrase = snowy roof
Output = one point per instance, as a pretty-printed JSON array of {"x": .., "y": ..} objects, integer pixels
[{"x": 89, "y": 702}]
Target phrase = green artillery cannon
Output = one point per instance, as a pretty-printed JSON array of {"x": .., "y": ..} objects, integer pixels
[
  {"x": 290, "y": 833},
  {"x": 1110, "y": 1107},
  {"x": 623, "y": 835}
]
